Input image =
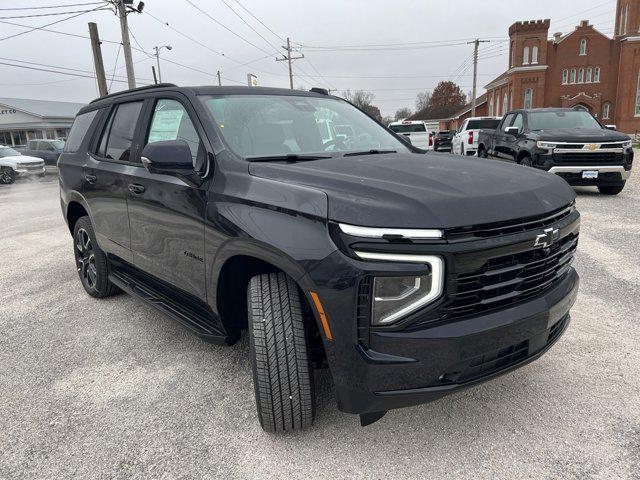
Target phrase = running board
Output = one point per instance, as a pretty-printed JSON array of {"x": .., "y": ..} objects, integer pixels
[{"x": 193, "y": 317}]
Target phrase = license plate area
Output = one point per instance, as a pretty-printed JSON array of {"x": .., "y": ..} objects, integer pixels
[{"x": 590, "y": 174}]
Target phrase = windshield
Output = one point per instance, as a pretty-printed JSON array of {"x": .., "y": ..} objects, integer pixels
[
  {"x": 57, "y": 144},
  {"x": 550, "y": 120},
  {"x": 8, "y": 152},
  {"x": 479, "y": 124},
  {"x": 410, "y": 128},
  {"x": 271, "y": 125}
]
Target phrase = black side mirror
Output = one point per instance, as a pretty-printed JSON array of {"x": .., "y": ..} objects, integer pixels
[
  {"x": 170, "y": 157},
  {"x": 512, "y": 131}
]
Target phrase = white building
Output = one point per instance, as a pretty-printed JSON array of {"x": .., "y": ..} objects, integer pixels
[{"x": 24, "y": 119}]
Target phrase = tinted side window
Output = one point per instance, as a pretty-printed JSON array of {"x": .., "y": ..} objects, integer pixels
[
  {"x": 518, "y": 122},
  {"x": 45, "y": 146},
  {"x": 32, "y": 145},
  {"x": 171, "y": 122},
  {"x": 78, "y": 131},
  {"x": 506, "y": 122},
  {"x": 117, "y": 137}
]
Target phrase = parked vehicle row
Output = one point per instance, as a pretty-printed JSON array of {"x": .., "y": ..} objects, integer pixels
[
  {"x": 231, "y": 208},
  {"x": 416, "y": 131},
  {"x": 465, "y": 141},
  {"x": 13, "y": 164},
  {"x": 47, "y": 150},
  {"x": 570, "y": 143}
]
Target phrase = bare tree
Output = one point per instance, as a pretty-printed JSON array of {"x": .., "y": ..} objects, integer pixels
[
  {"x": 364, "y": 101},
  {"x": 422, "y": 100},
  {"x": 402, "y": 113}
]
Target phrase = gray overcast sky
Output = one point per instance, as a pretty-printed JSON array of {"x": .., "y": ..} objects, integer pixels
[{"x": 325, "y": 23}]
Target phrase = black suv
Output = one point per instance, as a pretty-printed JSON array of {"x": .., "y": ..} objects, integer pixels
[
  {"x": 443, "y": 141},
  {"x": 568, "y": 142},
  {"x": 408, "y": 275}
]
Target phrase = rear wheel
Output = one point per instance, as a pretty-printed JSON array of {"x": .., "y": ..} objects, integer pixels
[
  {"x": 7, "y": 175},
  {"x": 282, "y": 371},
  {"x": 610, "y": 189},
  {"x": 482, "y": 153},
  {"x": 91, "y": 262},
  {"x": 462, "y": 149}
]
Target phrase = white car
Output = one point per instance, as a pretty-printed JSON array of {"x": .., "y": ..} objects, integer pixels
[
  {"x": 14, "y": 164},
  {"x": 465, "y": 141},
  {"x": 416, "y": 131}
]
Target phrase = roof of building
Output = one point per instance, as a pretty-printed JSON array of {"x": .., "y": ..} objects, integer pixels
[
  {"x": 43, "y": 108},
  {"x": 479, "y": 101},
  {"x": 498, "y": 80}
]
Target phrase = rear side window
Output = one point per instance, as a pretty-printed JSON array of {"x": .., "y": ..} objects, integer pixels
[
  {"x": 117, "y": 137},
  {"x": 506, "y": 122},
  {"x": 408, "y": 128},
  {"x": 78, "y": 131},
  {"x": 488, "y": 123}
]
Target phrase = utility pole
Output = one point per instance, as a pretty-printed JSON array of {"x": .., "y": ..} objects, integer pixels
[
  {"x": 476, "y": 44},
  {"x": 126, "y": 43},
  {"x": 288, "y": 58},
  {"x": 97, "y": 59},
  {"x": 157, "y": 49},
  {"x": 219, "y": 79},
  {"x": 155, "y": 78}
]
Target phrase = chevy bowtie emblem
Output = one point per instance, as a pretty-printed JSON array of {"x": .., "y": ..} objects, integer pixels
[
  {"x": 547, "y": 238},
  {"x": 591, "y": 146}
]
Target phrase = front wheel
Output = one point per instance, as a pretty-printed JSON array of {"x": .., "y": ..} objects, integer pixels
[
  {"x": 610, "y": 189},
  {"x": 282, "y": 371},
  {"x": 526, "y": 162},
  {"x": 7, "y": 176}
]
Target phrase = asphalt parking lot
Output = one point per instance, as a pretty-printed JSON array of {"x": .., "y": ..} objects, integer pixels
[{"x": 111, "y": 389}]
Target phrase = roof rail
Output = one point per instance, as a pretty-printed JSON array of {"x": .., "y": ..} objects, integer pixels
[
  {"x": 322, "y": 91},
  {"x": 131, "y": 90}
]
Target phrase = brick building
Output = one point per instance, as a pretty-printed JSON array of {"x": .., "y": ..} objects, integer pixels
[{"x": 583, "y": 68}]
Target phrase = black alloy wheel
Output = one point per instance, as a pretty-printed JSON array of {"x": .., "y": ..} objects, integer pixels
[{"x": 86, "y": 259}]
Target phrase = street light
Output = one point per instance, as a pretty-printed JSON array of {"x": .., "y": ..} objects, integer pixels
[{"x": 157, "y": 49}]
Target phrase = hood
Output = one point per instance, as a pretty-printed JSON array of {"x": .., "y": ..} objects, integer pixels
[
  {"x": 424, "y": 191},
  {"x": 589, "y": 135},
  {"x": 22, "y": 159}
]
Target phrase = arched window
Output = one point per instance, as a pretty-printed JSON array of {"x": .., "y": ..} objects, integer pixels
[
  {"x": 505, "y": 103},
  {"x": 581, "y": 75},
  {"x": 528, "y": 98},
  {"x": 513, "y": 54},
  {"x": 565, "y": 76},
  {"x": 491, "y": 107},
  {"x": 624, "y": 13},
  {"x": 525, "y": 56},
  {"x": 534, "y": 54},
  {"x": 596, "y": 75},
  {"x": 606, "y": 111},
  {"x": 583, "y": 46},
  {"x": 572, "y": 78},
  {"x": 497, "y": 105},
  {"x": 589, "y": 77}
]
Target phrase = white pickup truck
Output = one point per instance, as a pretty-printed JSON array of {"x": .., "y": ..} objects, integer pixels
[
  {"x": 14, "y": 164},
  {"x": 465, "y": 141},
  {"x": 416, "y": 131}
]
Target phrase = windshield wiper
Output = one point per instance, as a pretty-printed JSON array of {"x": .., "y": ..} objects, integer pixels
[
  {"x": 369, "y": 152},
  {"x": 289, "y": 157}
]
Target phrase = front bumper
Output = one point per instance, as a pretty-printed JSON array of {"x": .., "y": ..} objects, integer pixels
[
  {"x": 610, "y": 172},
  {"x": 39, "y": 170},
  {"x": 413, "y": 367}
]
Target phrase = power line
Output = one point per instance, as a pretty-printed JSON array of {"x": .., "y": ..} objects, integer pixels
[
  {"x": 42, "y": 27},
  {"x": 225, "y": 27},
  {"x": 56, "y": 71},
  {"x": 250, "y": 26},
  {"x": 51, "y": 6},
  {"x": 392, "y": 44},
  {"x": 260, "y": 21},
  {"x": 50, "y": 14}
]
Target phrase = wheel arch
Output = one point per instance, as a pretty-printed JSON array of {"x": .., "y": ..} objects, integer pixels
[{"x": 75, "y": 210}]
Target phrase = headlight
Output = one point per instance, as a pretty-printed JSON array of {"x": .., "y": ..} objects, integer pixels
[
  {"x": 397, "y": 297},
  {"x": 546, "y": 145},
  {"x": 627, "y": 144}
]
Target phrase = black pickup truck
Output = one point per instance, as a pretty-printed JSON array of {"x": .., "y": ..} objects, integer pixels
[
  {"x": 408, "y": 275},
  {"x": 568, "y": 142},
  {"x": 47, "y": 150}
]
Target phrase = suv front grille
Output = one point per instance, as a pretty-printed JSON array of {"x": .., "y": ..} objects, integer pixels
[
  {"x": 512, "y": 278},
  {"x": 595, "y": 158},
  {"x": 498, "y": 229}
]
